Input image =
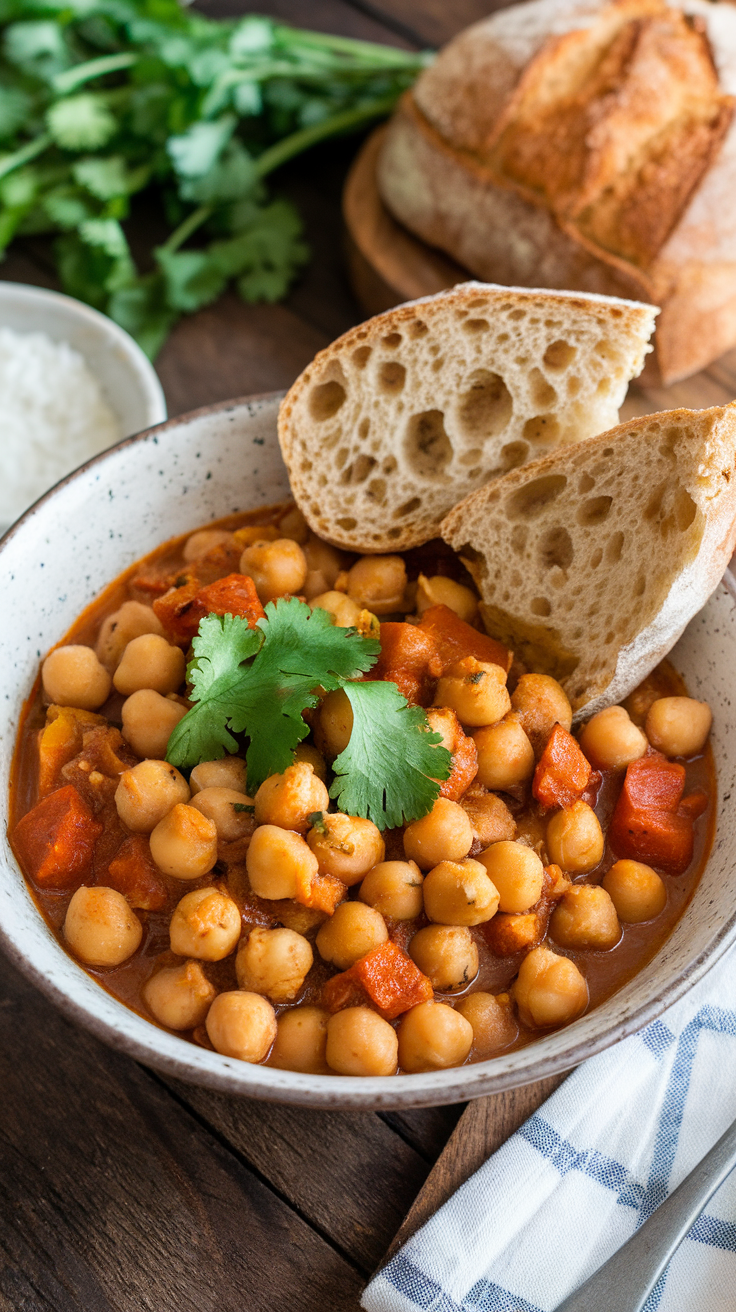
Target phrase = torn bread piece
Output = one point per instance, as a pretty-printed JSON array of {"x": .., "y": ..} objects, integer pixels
[
  {"x": 405, "y": 415},
  {"x": 591, "y": 562}
]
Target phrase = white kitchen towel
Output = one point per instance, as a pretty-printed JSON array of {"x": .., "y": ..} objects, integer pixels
[{"x": 585, "y": 1171}]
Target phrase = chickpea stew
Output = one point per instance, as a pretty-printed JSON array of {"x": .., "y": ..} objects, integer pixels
[{"x": 300, "y": 808}]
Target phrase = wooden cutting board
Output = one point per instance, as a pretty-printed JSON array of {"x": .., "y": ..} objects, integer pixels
[{"x": 388, "y": 265}]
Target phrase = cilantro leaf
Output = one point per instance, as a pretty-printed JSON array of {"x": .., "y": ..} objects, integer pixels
[
  {"x": 216, "y": 675},
  {"x": 82, "y": 122},
  {"x": 389, "y": 770}
]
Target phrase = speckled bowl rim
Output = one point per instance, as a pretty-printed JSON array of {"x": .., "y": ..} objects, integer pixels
[{"x": 182, "y": 1060}]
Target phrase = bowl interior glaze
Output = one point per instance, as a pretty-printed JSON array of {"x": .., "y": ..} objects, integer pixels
[{"x": 120, "y": 506}]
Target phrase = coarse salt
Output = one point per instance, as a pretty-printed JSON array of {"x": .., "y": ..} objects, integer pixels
[{"x": 53, "y": 417}]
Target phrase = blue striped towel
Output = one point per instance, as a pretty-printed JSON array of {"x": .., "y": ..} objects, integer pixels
[{"x": 585, "y": 1171}]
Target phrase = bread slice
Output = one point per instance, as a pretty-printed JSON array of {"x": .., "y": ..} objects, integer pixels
[
  {"x": 592, "y": 561},
  {"x": 404, "y": 416}
]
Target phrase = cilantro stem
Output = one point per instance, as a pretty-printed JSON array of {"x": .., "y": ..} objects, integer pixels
[
  {"x": 186, "y": 228},
  {"x": 364, "y": 51},
  {"x": 25, "y": 154},
  {"x": 92, "y": 68}
]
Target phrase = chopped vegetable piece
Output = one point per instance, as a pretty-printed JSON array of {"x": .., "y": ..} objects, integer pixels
[
  {"x": 651, "y": 822},
  {"x": 323, "y": 894},
  {"x": 409, "y": 659},
  {"x": 55, "y": 841},
  {"x": 454, "y": 639},
  {"x": 563, "y": 773},
  {"x": 462, "y": 748},
  {"x": 134, "y": 873},
  {"x": 390, "y": 768},
  {"x": 386, "y": 976},
  {"x": 59, "y": 741},
  {"x": 508, "y": 932},
  {"x": 182, "y": 609}
]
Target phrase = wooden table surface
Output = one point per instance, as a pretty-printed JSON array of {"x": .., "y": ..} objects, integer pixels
[{"x": 121, "y": 1191}]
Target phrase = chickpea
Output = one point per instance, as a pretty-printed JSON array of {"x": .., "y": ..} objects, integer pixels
[
  {"x": 335, "y": 723},
  {"x": 241, "y": 1025},
  {"x": 459, "y": 893},
  {"x": 446, "y": 834},
  {"x": 610, "y": 739},
  {"x": 275, "y": 962},
  {"x": 446, "y": 954},
  {"x": 100, "y": 927},
  {"x": 493, "y": 1021},
  {"x": 540, "y": 704},
  {"x": 432, "y": 1037},
  {"x": 150, "y": 662},
  {"x": 227, "y": 773},
  {"x": 184, "y": 843},
  {"x": 73, "y": 676},
  {"x": 205, "y": 540},
  {"x": 549, "y": 990},
  {"x": 292, "y": 524},
  {"x": 130, "y": 621},
  {"x": 505, "y": 755},
  {"x": 290, "y": 798},
  {"x": 346, "y": 846},
  {"x": 220, "y": 805},
  {"x": 517, "y": 873},
  {"x": 490, "y": 817},
  {"x": 475, "y": 690},
  {"x": 575, "y": 839},
  {"x": 309, "y": 754},
  {"x": 252, "y": 533},
  {"x": 301, "y": 1041},
  {"x": 276, "y": 568},
  {"x": 323, "y": 559},
  {"x": 377, "y": 583},
  {"x": 147, "y": 793},
  {"x": 360, "y": 1042},
  {"x": 678, "y": 726},
  {"x": 149, "y": 721},
  {"x": 279, "y": 863},
  {"x": 637, "y": 892},
  {"x": 395, "y": 889},
  {"x": 440, "y": 591},
  {"x": 353, "y": 930},
  {"x": 206, "y": 924},
  {"x": 344, "y": 611},
  {"x": 179, "y": 997},
  {"x": 585, "y": 917}
]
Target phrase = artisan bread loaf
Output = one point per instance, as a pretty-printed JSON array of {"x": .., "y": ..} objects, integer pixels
[
  {"x": 587, "y": 144},
  {"x": 404, "y": 416},
  {"x": 591, "y": 561}
]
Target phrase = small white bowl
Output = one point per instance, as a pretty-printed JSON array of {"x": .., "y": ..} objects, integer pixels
[{"x": 194, "y": 469}]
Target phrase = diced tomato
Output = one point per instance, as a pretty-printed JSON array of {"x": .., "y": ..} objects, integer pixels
[
  {"x": 651, "y": 821},
  {"x": 181, "y": 609},
  {"x": 323, "y": 893},
  {"x": 562, "y": 774},
  {"x": 454, "y": 639},
  {"x": 409, "y": 659},
  {"x": 134, "y": 873},
  {"x": 55, "y": 840},
  {"x": 391, "y": 980}
]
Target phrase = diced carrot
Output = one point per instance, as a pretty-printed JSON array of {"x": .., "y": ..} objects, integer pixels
[
  {"x": 651, "y": 822},
  {"x": 509, "y": 932},
  {"x": 342, "y": 991},
  {"x": 409, "y": 659},
  {"x": 134, "y": 873},
  {"x": 693, "y": 805},
  {"x": 464, "y": 752},
  {"x": 323, "y": 893},
  {"x": 454, "y": 639},
  {"x": 55, "y": 841},
  {"x": 391, "y": 980},
  {"x": 562, "y": 774},
  {"x": 181, "y": 609}
]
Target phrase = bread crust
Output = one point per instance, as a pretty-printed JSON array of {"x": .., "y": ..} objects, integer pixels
[{"x": 433, "y": 178}]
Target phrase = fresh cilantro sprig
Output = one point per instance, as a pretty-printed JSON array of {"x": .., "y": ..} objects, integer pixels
[
  {"x": 258, "y": 682},
  {"x": 103, "y": 99}
]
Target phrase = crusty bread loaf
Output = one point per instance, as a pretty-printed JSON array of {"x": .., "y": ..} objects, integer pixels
[
  {"x": 402, "y": 417},
  {"x": 587, "y": 144},
  {"x": 591, "y": 561}
]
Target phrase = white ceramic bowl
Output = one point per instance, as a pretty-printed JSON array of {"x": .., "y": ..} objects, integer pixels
[{"x": 119, "y": 507}]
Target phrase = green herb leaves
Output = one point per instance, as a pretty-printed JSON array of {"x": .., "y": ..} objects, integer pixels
[
  {"x": 258, "y": 682},
  {"x": 101, "y": 98}
]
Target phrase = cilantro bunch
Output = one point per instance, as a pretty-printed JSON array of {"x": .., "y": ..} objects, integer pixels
[
  {"x": 258, "y": 682},
  {"x": 103, "y": 99}
]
